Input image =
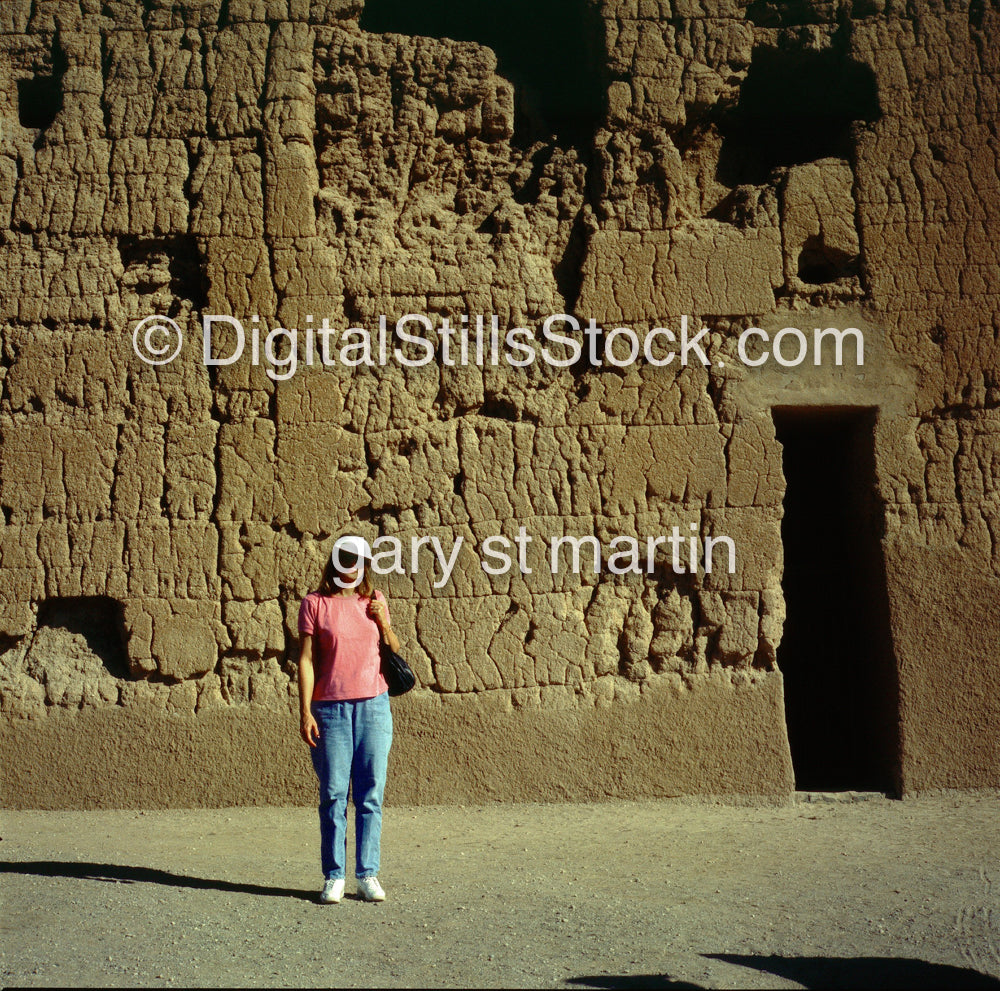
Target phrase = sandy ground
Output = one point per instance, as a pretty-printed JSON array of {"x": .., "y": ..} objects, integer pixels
[{"x": 621, "y": 895}]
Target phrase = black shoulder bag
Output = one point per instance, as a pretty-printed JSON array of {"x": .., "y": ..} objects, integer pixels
[{"x": 396, "y": 672}]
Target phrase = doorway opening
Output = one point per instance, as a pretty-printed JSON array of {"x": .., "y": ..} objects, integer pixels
[{"x": 841, "y": 686}]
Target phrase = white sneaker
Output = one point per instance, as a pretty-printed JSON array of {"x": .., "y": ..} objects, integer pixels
[
  {"x": 332, "y": 891},
  {"x": 370, "y": 890}
]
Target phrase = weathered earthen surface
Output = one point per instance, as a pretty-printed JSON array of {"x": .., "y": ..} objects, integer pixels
[{"x": 276, "y": 158}]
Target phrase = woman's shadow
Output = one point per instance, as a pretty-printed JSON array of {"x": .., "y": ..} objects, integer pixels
[{"x": 123, "y": 873}]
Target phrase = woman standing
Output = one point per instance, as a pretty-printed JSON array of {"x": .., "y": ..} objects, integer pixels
[{"x": 346, "y": 719}]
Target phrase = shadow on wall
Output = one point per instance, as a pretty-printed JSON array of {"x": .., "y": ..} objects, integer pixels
[
  {"x": 820, "y": 972},
  {"x": 78, "y": 625},
  {"x": 776, "y": 124},
  {"x": 40, "y": 97},
  {"x": 551, "y": 51}
]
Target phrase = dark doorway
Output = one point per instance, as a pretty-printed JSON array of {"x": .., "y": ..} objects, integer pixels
[{"x": 841, "y": 695}]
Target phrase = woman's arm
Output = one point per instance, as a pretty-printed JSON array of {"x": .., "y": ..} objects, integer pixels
[
  {"x": 378, "y": 611},
  {"x": 307, "y": 679}
]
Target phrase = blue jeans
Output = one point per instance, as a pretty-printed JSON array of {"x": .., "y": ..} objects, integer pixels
[{"x": 353, "y": 749}]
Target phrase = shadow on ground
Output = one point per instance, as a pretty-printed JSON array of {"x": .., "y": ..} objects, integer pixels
[
  {"x": 821, "y": 972},
  {"x": 627, "y": 982},
  {"x": 123, "y": 873}
]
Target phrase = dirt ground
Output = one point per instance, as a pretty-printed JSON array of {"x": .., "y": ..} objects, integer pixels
[{"x": 619, "y": 895}]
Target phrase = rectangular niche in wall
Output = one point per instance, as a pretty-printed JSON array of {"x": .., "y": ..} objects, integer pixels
[{"x": 841, "y": 690}]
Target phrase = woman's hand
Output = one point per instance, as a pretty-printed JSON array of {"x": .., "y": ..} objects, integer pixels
[
  {"x": 309, "y": 729},
  {"x": 376, "y": 609}
]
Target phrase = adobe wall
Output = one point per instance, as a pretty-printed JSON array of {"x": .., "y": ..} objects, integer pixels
[{"x": 273, "y": 157}]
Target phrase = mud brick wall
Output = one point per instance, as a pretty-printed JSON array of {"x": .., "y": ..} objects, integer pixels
[{"x": 288, "y": 158}]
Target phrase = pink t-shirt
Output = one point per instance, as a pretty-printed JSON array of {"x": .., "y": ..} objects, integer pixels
[{"x": 346, "y": 655}]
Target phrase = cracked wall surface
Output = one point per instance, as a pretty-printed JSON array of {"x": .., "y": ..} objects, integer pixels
[{"x": 162, "y": 523}]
